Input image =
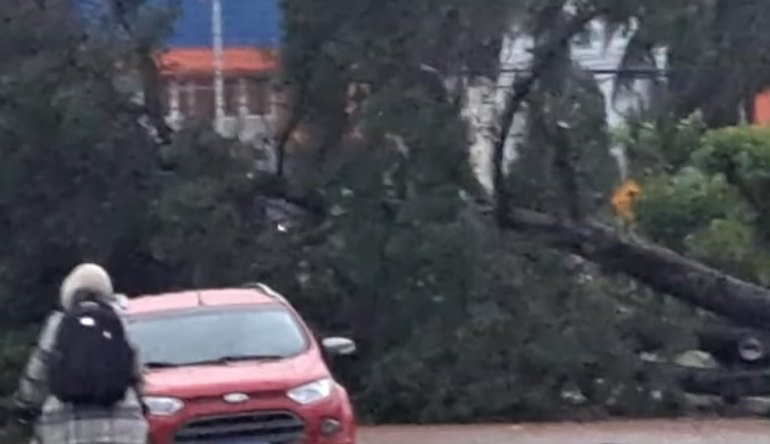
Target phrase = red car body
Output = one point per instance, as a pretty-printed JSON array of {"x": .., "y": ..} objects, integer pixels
[{"x": 243, "y": 402}]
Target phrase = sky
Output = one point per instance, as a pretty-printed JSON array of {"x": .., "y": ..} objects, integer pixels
[
  {"x": 245, "y": 23},
  {"x": 254, "y": 23}
]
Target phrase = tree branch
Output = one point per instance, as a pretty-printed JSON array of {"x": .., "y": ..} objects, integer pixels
[
  {"x": 148, "y": 71},
  {"x": 661, "y": 269},
  {"x": 296, "y": 115},
  {"x": 566, "y": 164},
  {"x": 153, "y": 91},
  {"x": 301, "y": 98},
  {"x": 726, "y": 383},
  {"x": 545, "y": 55}
]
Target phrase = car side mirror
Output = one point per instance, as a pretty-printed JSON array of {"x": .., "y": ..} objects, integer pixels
[{"x": 339, "y": 346}]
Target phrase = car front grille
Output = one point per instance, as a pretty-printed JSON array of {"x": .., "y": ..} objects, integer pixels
[{"x": 275, "y": 427}]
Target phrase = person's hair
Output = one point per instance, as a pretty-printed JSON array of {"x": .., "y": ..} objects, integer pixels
[{"x": 86, "y": 280}]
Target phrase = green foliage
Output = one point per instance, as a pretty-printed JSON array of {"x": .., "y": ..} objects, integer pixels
[
  {"x": 455, "y": 320},
  {"x": 14, "y": 350},
  {"x": 745, "y": 149},
  {"x": 670, "y": 208},
  {"x": 13, "y": 353},
  {"x": 658, "y": 147},
  {"x": 743, "y": 156},
  {"x": 523, "y": 349},
  {"x": 204, "y": 216},
  {"x": 565, "y": 118},
  {"x": 714, "y": 210},
  {"x": 77, "y": 168}
]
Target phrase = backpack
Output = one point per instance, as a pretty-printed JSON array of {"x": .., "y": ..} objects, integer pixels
[{"x": 92, "y": 362}]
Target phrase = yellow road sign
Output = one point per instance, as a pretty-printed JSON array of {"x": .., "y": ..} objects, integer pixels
[{"x": 624, "y": 197}]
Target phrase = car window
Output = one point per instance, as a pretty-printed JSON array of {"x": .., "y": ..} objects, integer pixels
[{"x": 191, "y": 336}]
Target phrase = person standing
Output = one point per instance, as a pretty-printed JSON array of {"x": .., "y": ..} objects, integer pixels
[{"x": 82, "y": 383}]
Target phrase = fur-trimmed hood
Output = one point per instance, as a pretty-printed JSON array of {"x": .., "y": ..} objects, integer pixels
[{"x": 88, "y": 277}]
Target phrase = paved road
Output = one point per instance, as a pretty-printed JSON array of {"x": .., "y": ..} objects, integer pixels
[{"x": 636, "y": 432}]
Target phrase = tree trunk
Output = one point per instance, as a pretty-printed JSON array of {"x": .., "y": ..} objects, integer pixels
[
  {"x": 729, "y": 384},
  {"x": 153, "y": 91},
  {"x": 544, "y": 57},
  {"x": 734, "y": 346},
  {"x": 661, "y": 269}
]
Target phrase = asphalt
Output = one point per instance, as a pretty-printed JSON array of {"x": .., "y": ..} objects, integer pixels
[{"x": 685, "y": 431}]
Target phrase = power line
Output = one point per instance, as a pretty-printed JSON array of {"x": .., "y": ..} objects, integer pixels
[{"x": 615, "y": 71}]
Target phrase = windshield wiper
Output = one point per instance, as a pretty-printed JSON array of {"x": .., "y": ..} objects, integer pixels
[
  {"x": 236, "y": 358},
  {"x": 215, "y": 361},
  {"x": 160, "y": 364}
]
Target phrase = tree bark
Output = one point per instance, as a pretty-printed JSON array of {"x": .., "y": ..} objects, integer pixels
[
  {"x": 735, "y": 345},
  {"x": 543, "y": 60},
  {"x": 296, "y": 114},
  {"x": 729, "y": 384},
  {"x": 661, "y": 269},
  {"x": 149, "y": 72},
  {"x": 153, "y": 91}
]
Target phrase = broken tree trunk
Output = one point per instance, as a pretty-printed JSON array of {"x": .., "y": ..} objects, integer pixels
[
  {"x": 735, "y": 346},
  {"x": 726, "y": 383},
  {"x": 661, "y": 269}
]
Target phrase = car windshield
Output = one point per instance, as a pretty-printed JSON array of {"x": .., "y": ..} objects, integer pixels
[{"x": 211, "y": 335}]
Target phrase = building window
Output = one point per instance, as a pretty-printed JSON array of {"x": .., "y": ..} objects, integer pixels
[
  {"x": 203, "y": 104},
  {"x": 196, "y": 96},
  {"x": 232, "y": 97},
  {"x": 257, "y": 96},
  {"x": 185, "y": 98},
  {"x": 165, "y": 96},
  {"x": 584, "y": 39}
]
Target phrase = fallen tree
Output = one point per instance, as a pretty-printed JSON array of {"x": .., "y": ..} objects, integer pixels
[
  {"x": 574, "y": 232},
  {"x": 728, "y": 384},
  {"x": 660, "y": 268},
  {"x": 735, "y": 346}
]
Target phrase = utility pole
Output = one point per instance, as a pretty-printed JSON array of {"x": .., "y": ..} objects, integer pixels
[{"x": 219, "y": 83}]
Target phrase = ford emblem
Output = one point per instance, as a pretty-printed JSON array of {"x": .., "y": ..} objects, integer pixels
[{"x": 236, "y": 398}]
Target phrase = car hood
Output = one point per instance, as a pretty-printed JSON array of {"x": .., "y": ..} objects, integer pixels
[{"x": 244, "y": 377}]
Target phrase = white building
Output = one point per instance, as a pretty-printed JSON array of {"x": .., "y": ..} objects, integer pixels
[{"x": 592, "y": 50}]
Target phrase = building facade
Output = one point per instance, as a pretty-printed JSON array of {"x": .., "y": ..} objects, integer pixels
[
  {"x": 219, "y": 64},
  {"x": 595, "y": 51},
  {"x": 762, "y": 109}
]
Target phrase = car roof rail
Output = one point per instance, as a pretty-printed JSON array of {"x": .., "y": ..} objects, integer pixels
[
  {"x": 121, "y": 301},
  {"x": 266, "y": 289}
]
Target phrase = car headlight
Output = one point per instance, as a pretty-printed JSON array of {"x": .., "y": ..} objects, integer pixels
[
  {"x": 162, "y": 406},
  {"x": 311, "y": 392}
]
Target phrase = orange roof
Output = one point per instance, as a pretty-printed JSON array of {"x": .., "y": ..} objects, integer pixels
[
  {"x": 762, "y": 108},
  {"x": 201, "y": 60}
]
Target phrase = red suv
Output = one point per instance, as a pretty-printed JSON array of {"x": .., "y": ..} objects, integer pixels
[{"x": 237, "y": 366}]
